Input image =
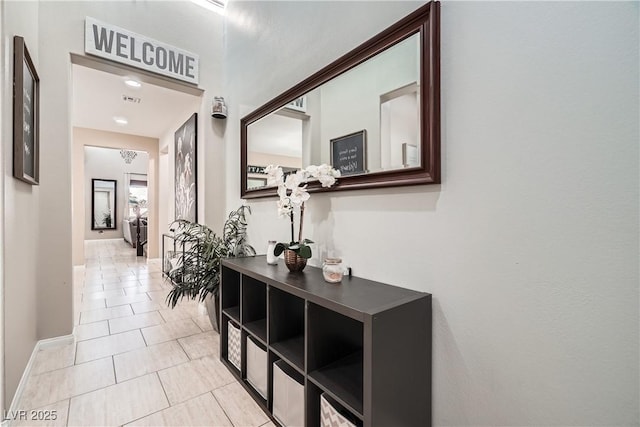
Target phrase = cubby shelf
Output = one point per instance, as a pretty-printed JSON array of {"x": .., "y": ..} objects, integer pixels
[
  {"x": 258, "y": 328},
  {"x": 292, "y": 350},
  {"x": 343, "y": 379},
  {"x": 233, "y": 313},
  {"x": 365, "y": 344}
]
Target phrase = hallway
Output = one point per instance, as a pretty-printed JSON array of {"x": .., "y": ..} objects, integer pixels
[{"x": 134, "y": 361}]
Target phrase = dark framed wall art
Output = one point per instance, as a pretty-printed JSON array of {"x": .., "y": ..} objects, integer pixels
[
  {"x": 26, "y": 115},
  {"x": 186, "y": 183},
  {"x": 349, "y": 153}
]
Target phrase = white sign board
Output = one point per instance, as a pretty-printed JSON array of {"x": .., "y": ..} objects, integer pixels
[
  {"x": 299, "y": 104},
  {"x": 120, "y": 45}
]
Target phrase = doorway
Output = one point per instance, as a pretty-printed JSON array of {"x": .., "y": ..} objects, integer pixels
[
  {"x": 127, "y": 112},
  {"x": 114, "y": 214}
]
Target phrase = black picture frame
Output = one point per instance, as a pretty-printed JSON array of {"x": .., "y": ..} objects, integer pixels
[
  {"x": 26, "y": 115},
  {"x": 186, "y": 170},
  {"x": 349, "y": 153}
]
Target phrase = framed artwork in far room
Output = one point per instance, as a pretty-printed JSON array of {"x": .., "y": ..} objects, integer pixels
[
  {"x": 26, "y": 115},
  {"x": 186, "y": 184}
]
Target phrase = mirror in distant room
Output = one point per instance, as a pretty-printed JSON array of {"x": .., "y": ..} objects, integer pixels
[
  {"x": 103, "y": 204},
  {"x": 373, "y": 114}
]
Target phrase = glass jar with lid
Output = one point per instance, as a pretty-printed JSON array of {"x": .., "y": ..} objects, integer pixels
[{"x": 332, "y": 270}]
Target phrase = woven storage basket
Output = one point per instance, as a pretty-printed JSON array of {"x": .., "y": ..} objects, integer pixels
[
  {"x": 234, "y": 346},
  {"x": 330, "y": 417}
]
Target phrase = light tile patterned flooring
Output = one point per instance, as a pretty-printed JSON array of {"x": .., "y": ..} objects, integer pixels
[{"x": 135, "y": 361}]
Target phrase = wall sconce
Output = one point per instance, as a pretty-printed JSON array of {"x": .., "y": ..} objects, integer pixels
[{"x": 218, "y": 108}]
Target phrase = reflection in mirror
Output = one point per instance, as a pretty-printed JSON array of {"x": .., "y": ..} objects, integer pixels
[
  {"x": 359, "y": 122},
  {"x": 103, "y": 204},
  {"x": 275, "y": 140},
  {"x": 373, "y": 114},
  {"x": 400, "y": 128}
]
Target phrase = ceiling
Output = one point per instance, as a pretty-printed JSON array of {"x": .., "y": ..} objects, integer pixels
[{"x": 98, "y": 98}]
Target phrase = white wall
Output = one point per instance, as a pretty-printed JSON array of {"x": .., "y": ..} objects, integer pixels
[
  {"x": 3, "y": 96},
  {"x": 22, "y": 233},
  {"x": 107, "y": 163},
  {"x": 165, "y": 197},
  {"x": 530, "y": 245}
]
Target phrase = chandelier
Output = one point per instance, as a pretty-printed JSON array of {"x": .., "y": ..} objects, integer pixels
[{"x": 128, "y": 155}]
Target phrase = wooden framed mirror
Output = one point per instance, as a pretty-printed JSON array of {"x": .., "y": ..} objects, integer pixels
[
  {"x": 374, "y": 114},
  {"x": 103, "y": 204}
]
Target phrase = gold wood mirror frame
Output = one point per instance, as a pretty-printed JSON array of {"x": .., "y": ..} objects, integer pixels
[{"x": 424, "y": 24}]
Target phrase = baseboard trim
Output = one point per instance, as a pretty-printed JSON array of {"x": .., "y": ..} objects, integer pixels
[
  {"x": 54, "y": 342},
  {"x": 40, "y": 345}
]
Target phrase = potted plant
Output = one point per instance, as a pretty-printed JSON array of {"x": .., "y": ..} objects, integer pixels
[
  {"x": 106, "y": 219},
  {"x": 196, "y": 272},
  {"x": 292, "y": 191}
]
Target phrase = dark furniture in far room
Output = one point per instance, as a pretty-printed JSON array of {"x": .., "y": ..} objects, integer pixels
[{"x": 129, "y": 230}]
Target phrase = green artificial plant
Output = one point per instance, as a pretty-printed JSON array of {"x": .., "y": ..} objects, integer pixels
[
  {"x": 197, "y": 273},
  {"x": 106, "y": 219}
]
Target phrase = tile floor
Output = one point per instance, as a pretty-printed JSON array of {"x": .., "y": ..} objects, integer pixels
[{"x": 135, "y": 361}]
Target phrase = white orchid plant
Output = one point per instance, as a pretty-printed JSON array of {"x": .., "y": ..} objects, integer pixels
[{"x": 293, "y": 193}]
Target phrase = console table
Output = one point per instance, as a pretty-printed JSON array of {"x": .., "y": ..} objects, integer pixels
[{"x": 364, "y": 344}]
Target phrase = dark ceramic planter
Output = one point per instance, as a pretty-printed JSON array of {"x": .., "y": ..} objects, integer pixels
[{"x": 293, "y": 261}]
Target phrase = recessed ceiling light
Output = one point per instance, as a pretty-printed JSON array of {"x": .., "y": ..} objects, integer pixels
[
  {"x": 120, "y": 121},
  {"x": 132, "y": 83}
]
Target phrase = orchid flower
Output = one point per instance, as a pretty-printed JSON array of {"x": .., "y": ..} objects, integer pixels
[{"x": 292, "y": 193}]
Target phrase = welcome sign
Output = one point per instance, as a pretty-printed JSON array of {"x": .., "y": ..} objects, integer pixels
[{"x": 119, "y": 45}]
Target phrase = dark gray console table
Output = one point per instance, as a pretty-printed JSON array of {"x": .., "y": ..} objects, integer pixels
[{"x": 367, "y": 345}]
